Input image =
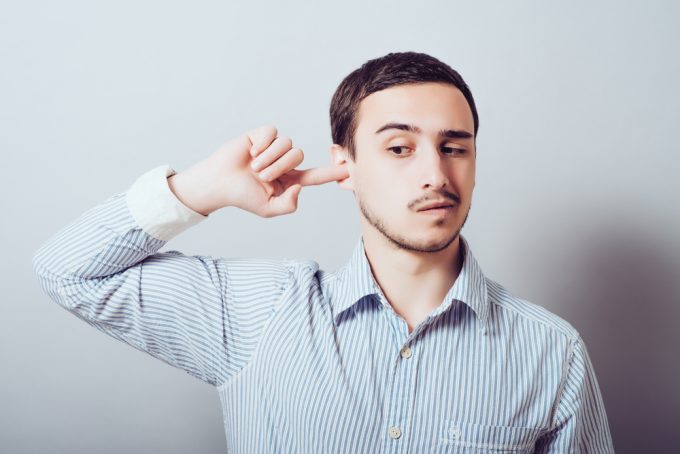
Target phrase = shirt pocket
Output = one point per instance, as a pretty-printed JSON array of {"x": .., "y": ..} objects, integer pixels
[{"x": 463, "y": 437}]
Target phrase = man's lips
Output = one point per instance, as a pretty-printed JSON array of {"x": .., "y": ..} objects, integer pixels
[{"x": 436, "y": 204}]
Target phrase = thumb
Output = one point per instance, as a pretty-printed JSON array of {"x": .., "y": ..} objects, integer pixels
[{"x": 287, "y": 201}]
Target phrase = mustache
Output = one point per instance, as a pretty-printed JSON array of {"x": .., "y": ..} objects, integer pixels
[{"x": 435, "y": 196}]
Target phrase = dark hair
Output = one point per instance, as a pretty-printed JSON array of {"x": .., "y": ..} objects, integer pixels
[{"x": 395, "y": 68}]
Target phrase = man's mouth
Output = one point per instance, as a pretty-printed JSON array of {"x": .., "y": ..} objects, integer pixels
[
  {"x": 436, "y": 205},
  {"x": 442, "y": 211}
]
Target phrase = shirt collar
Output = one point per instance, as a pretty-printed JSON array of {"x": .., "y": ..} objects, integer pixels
[{"x": 356, "y": 281}]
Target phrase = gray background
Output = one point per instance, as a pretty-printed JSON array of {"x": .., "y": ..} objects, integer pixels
[{"x": 575, "y": 207}]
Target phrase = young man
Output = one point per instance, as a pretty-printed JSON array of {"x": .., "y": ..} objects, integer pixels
[{"x": 407, "y": 348}]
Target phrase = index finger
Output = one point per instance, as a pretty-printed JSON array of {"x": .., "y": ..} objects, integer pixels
[{"x": 321, "y": 175}]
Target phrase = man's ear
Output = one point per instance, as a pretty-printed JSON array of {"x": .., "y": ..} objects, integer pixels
[{"x": 339, "y": 157}]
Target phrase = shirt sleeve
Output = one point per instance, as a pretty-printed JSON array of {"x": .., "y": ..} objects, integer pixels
[
  {"x": 580, "y": 421},
  {"x": 197, "y": 313}
]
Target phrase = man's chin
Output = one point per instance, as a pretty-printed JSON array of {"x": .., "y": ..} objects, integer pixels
[
  {"x": 438, "y": 244},
  {"x": 432, "y": 243}
]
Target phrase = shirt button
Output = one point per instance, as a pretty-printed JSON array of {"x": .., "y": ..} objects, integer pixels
[
  {"x": 406, "y": 352},
  {"x": 395, "y": 432}
]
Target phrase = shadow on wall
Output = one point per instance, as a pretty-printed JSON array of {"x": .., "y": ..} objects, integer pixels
[{"x": 623, "y": 297}]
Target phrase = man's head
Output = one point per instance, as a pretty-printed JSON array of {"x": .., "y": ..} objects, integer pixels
[{"x": 405, "y": 124}]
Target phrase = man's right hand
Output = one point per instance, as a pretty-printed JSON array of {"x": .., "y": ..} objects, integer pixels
[{"x": 226, "y": 177}]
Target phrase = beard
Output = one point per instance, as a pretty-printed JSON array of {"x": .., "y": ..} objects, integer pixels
[{"x": 400, "y": 242}]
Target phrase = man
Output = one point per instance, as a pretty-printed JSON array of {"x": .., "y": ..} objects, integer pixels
[{"x": 407, "y": 348}]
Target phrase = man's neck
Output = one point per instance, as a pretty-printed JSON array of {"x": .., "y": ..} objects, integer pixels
[{"x": 414, "y": 283}]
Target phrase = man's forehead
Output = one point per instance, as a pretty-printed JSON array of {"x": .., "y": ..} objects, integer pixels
[{"x": 418, "y": 108}]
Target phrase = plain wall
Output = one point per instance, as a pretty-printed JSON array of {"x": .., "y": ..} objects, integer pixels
[{"x": 575, "y": 206}]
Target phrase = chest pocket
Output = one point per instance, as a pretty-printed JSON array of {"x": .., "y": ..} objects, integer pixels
[{"x": 462, "y": 437}]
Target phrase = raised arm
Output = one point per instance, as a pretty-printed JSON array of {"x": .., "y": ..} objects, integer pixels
[{"x": 198, "y": 313}]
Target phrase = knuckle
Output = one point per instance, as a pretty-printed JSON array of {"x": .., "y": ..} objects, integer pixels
[
  {"x": 251, "y": 138},
  {"x": 248, "y": 137},
  {"x": 264, "y": 130},
  {"x": 262, "y": 136},
  {"x": 286, "y": 141}
]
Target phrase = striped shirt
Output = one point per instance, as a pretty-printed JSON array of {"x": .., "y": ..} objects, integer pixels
[{"x": 310, "y": 361}]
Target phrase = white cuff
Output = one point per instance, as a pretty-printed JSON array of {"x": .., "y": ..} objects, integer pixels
[{"x": 156, "y": 208}]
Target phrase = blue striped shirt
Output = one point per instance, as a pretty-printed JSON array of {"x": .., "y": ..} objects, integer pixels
[{"x": 310, "y": 361}]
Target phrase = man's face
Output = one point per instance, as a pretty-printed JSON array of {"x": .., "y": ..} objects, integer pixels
[{"x": 396, "y": 172}]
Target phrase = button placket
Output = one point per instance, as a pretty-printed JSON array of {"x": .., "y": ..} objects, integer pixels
[
  {"x": 400, "y": 388},
  {"x": 403, "y": 383}
]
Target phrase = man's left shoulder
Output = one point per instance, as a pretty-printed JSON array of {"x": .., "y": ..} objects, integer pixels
[{"x": 504, "y": 302}]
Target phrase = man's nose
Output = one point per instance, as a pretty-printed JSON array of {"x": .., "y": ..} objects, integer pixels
[{"x": 433, "y": 169}]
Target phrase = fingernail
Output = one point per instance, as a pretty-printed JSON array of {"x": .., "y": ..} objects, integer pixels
[
  {"x": 264, "y": 176},
  {"x": 255, "y": 165}
]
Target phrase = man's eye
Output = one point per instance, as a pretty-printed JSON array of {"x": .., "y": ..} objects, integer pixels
[
  {"x": 451, "y": 150},
  {"x": 447, "y": 150},
  {"x": 398, "y": 149}
]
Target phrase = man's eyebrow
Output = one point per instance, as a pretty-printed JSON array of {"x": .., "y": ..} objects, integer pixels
[{"x": 450, "y": 133}]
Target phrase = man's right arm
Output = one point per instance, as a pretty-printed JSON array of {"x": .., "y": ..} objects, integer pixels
[{"x": 197, "y": 313}]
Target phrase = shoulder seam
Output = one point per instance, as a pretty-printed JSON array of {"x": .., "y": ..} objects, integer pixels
[{"x": 572, "y": 334}]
